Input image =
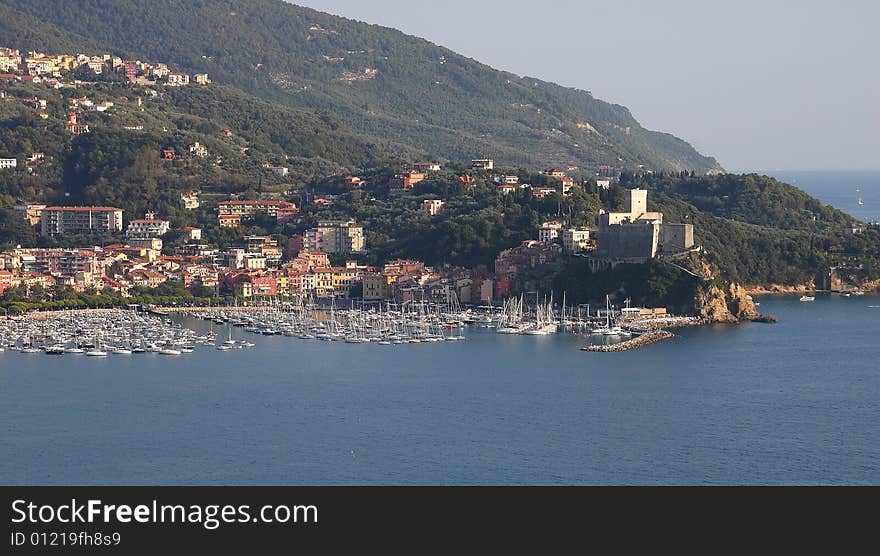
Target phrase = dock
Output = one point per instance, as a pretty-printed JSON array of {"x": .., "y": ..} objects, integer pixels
[{"x": 633, "y": 343}]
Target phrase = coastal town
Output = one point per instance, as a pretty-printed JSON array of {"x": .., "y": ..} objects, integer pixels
[
  {"x": 260, "y": 267},
  {"x": 328, "y": 260}
]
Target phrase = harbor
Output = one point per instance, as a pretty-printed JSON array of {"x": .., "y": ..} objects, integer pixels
[
  {"x": 151, "y": 329},
  {"x": 101, "y": 333},
  {"x": 297, "y": 409}
]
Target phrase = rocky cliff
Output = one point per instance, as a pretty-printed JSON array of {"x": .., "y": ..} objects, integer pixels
[{"x": 731, "y": 304}]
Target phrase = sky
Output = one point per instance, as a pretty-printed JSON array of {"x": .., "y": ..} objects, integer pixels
[{"x": 758, "y": 84}]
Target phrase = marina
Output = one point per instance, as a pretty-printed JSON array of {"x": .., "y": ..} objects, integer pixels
[
  {"x": 100, "y": 334},
  {"x": 704, "y": 408},
  {"x": 138, "y": 330}
]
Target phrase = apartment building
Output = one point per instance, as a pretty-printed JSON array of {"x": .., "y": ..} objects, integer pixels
[{"x": 58, "y": 221}]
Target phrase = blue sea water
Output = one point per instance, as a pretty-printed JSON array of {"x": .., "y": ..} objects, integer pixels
[
  {"x": 840, "y": 189},
  {"x": 791, "y": 403}
]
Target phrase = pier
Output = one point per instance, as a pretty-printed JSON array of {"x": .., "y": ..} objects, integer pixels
[{"x": 636, "y": 342}]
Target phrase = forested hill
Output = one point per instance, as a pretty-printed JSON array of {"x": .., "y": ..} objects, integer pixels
[{"x": 378, "y": 80}]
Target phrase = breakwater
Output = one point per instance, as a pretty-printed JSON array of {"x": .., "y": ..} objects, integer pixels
[{"x": 638, "y": 341}]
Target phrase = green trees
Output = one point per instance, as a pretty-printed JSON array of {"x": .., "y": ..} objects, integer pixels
[
  {"x": 378, "y": 81},
  {"x": 651, "y": 285},
  {"x": 15, "y": 230}
]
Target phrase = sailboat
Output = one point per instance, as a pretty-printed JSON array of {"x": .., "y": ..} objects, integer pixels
[
  {"x": 859, "y": 191},
  {"x": 608, "y": 330},
  {"x": 96, "y": 350}
]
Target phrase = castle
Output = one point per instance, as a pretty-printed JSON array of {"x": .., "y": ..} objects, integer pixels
[{"x": 637, "y": 236}]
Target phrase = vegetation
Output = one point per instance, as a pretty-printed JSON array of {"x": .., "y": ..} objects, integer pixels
[
  {"x": 378, "y": 80},
  {"x": 651, "y": 285},
  {"x": 120, "y": 162},
  {"x": 21, "y": 299},
  {"x": 423, "y": 101}
]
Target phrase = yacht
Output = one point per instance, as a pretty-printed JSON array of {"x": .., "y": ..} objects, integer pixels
[
  {"x": 169, "y": 351},
  {"x": 121, "y": 351},
  {"x": 95, "y": 352},
  {"x": 54, "y": 350},
  {"x": 808, "y": 298}
]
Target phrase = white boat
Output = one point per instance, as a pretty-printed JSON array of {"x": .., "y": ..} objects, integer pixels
[
  {"x": 808, "y": 298},
  {"x": 223, "y": 347},
  {"x": 608, "y": 329},
  {"x": 74, "y": 350},
  {"x": 95, "y": 352},
  {"x": 543, "y": 330},
  {"x": 121, "y": 351},
  {"x": 169, "y": 351},
  {"x": 858, "y": 293},
  {"x": 54, "y": 350},
  {"x": 612, "y": 331}
]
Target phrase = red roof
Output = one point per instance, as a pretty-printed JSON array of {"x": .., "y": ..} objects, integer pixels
[
  {"x": 93, "y": 209},
  {"x": 256, "y": 203}
]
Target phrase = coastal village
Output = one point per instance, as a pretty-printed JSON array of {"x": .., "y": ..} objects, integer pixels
[
  {"x": 261, "y": 268},
  {"x": 324, "y": 263},
  {"x": 49, "y": 69}
]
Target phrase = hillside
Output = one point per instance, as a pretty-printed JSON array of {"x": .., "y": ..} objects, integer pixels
[
  {"x": 120, "y": 161},
  {"x": 378, "y": 81}
]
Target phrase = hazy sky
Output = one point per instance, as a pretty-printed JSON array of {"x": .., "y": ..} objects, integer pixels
[{"x": 759, "y": 84}]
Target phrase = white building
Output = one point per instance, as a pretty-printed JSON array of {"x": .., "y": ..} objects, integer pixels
[
  {"x": 575, "y": 240},
  {"x": 549, "y": 231},
  {"x": 6, "y": 163},
  {"x": 432, "y": 206},
  {"x": 190, "y": 201},
  {"x": 57, "y": 221},
  {"x": 176, "y": 79},
  {"x": 193, "y": 233},
  {"x": 148, "y": 228},
  {"x": 335, "y": 236}
]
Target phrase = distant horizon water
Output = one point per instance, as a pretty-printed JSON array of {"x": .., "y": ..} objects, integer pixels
[{"x": 843, "y": 190}]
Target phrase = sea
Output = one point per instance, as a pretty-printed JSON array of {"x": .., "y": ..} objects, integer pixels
[
  {"x": 839, "y": 189},
  {"x": 753, "y": 404}
]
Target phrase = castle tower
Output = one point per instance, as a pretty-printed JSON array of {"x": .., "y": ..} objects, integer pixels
[{"x": 638, "y": 202}]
